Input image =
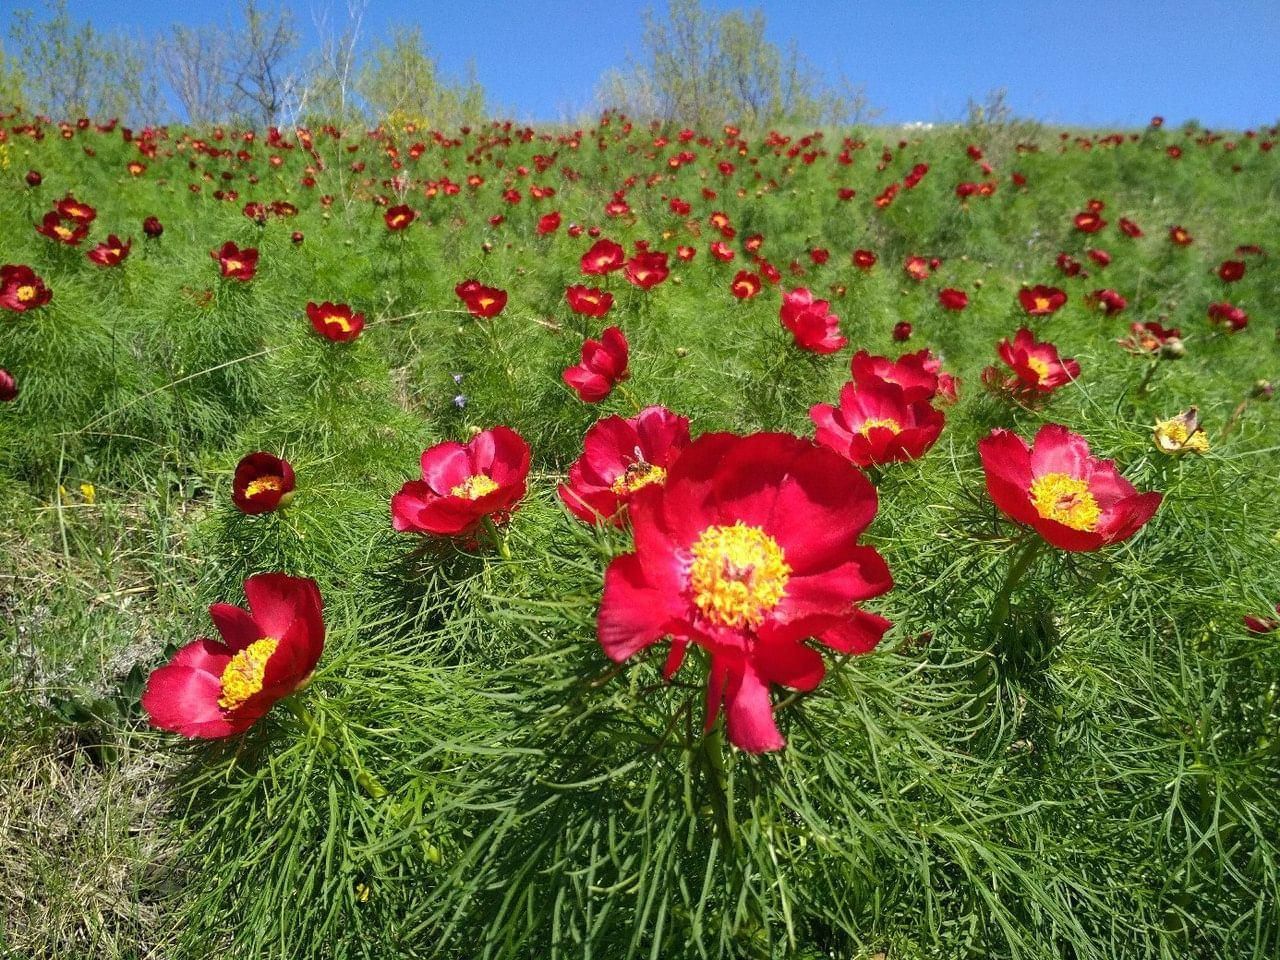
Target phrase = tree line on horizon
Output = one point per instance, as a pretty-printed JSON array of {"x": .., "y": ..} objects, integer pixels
[{"x": 696, "y": 66}]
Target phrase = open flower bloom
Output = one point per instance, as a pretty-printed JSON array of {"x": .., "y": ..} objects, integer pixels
[
  {"x": 745, "y": 285},
  {"x": 111, "y": 252},
  {"x": 811, "y": 322},
  {"x": 215, "y": 688},
  {"x": 335, "y": 321},
  {"x": 605, "y": 256},
  {"x": 481, "y": 301},
  {"x": 462, "y": 484},
  {"x": 646, "y": 269},
  {"x": 588, "y": 301},
  {"x": 59, "y": 228},
  {"x": 398, "y": 218},
  {"x": 748, "y": 549},
  {"x": 1040, "y": 301},
  {"x": 620, "y": 457},
  {"x": 1036, "y": 366},
  {"x": 1072, "y": 499},
  {"x": 604, "y": 363},
  {"x": 1181, "y": 434},
  {"x": 21, "y": 289},
  {"x": 262, "y": 483},
  {"x": 919, "y": 374},
  {"x": 69, "y": 208},
  {"x": 236, "y": 263},
  {"x": 876, "y": 423}
]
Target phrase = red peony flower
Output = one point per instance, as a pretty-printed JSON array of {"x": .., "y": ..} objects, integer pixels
[
  {"x": 399, "y": 218},
  {"x": 21, "y": 289},
  {"x": 69, "y": 208},
  {"x": 646, "y": 269},
  {"x": 56, "y": 227},
  {"x": 481, "y": 301},
  {"x": 1040, "y": 301},
  {"x": 262, "y": 483},
  {"x": 462, "y": 485},
  {"x": 604, "y": 363},
  {"x": 605, "y": 256},
  {"x": 1037, "y": 368},
  {"x": 548, "y": 223},
  {"x": 1068, "y": 264},
  {"x": 1151, "y": 337},
  {"x": 917, "y": 268},
  {"x": 1180, "y": 236},
  {"x": 152, "y": 227},
  {"x": 1129, "y": 228},
  {"x": 1101, "y": 258},
  {"x": 8, "y": 387},
  {"x": 620, "y": 457},
  {"x": 1256, "y": 624},
  {"x": 864, "y": 259},
  {"x": 335, "y": 321},
  {"x": 588, "y": 301},
  {"x": 236, "y": 263},
  {"x": 745, "y": 285},
  {"x": 1233, "y": 318},
  {"x": 919, "y": 374},
  {"x": 1108, "y": 301},
  {"x": 720, "y": 250},
  {"x": 1229, "y": 271},
  {"x": 1089, "y": 222},
  {"x": 111, "y": 253},
  {"x": 215, "y": 688},
  {"x": 811, "y": 322},
  {"x": 1072, "y": 499},
  {"x": 748, "y": 549},
  {"x": 952, "y": 299},
  {"x": 876, "y": 424},
  {"x": 902, "y": 331}
]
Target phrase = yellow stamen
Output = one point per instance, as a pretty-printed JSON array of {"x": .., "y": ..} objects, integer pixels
[
  {"x": 637, "y": 475},
  {"x": 342, "y": 323},
  {"x": 243, "y": 676},
  {"x": 26, "y": 293},
  {"x": 1176, "y": 436},
  {"x": 474, "y": 487},
  {"x": 1041, "y": 303},
  {"x": 738, "y": 574},
  {"x": 874, "y": 423},
  {"x": 1039, "y": 366},
  {"x": 231, "y": 266},
  {"x": 262, "y": 485},
  {"x": 1066, "y": 499}
]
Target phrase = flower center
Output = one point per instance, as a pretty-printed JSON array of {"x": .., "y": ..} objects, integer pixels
[
  {"x": 242, "y": 677},
  {"x": 26, "y": 293},
  {"x": 738, "y": 575},
  {"x": 1066, "y": 499},
  {"x": 879, "y": 423},
  {"x": 1039, "y": 366},
  {"x": 340, "y": 322},
  {"x": 1041, "y": 303},
  {"x": 231, "y": 266},
  {"x": 637, "y": 475},
  {"x": 474, "y": 487},
  {"x": 262, "y": 485}
]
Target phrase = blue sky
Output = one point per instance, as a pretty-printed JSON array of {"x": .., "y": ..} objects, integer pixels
[{"x": 1095, "y": 62}]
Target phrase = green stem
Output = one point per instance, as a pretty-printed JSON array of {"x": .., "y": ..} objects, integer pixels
[
  {"x": 628, "y": 396},
  {"x": 496, "y": 536},
  {"x": 1146, "y": 378},
  {"x": 1018, "y": 567},
  {"x": 363, "y": 778}
]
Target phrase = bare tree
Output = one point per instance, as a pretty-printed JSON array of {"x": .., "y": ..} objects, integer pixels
[
  {"x": 194, "y": 62},
  {"x": 263, "y": 79},
  {"x": 327, "y": 93}
]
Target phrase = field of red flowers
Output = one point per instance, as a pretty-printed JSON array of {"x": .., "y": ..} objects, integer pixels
[{"x": 639, "y": 542}]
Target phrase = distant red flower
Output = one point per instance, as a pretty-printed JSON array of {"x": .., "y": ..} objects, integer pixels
[
  {"x": 236, "y": 263},
  {"x": 1072, "y": 499},
  {"x": 864, "y": 259},
  {"x": 620, "y": 457},
  {"x": 902, "y": 331},
  {"x": 548, "y": 223},
  {"x": 59, "y": 228},
  {"x": 462, "y": 484},
  {"x": 875, "y": 423},
  {"x": 646, "y": 270},
  {"x": 1129, "y": 228},
  {"x": 69, "y": 208},
  {"x": 603, "y": 364},
  {"x": 398, "y": 218},
  {"x": 112, "y": 252},
  {"x": 811, "y": 322},
  {"x": 262, "y": 483},
  {"x": 1040, "y": 301},
  {"x": 1180, "y": 236},
  {"x": 1089, "y": 222},
  {"x": 1100, "y": 257},
  {"x": 819, "y": 256},
  {"x": 745, "y": 285},
  {"x": 1233, "y": 318},
  {"x": 748, "y": 549},
  {"x": 21, "y": 289},
  {"x": 152, "y": 227},
  {"x": 8, "y": 387},
  {"x": 1108, "y": 301},
  {"x": 335, "y": 321},
  {"x": 588, "y": 301},
  {"x": 917, "y": 268},
  {"x": 605, "y": 256},
  {"x": 213, "y": 688},
  {"x": 1229, "y": 271},
  {"x": 1068, "y": 264},
  {"x": 720, "y": 250},
  {"x": 1037, "y": 367},
  {"x": 481, "y": 301},
  {"x": 952, "y": 299},
  {"x": 34, "y": 178},
  {"x": 1151, "y": 337}
]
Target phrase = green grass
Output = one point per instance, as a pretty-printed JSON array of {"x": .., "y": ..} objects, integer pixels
[{"x": 1095, "y": 779}]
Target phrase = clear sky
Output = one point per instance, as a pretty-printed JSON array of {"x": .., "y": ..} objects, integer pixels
[{"x": 1088, "y": 62}]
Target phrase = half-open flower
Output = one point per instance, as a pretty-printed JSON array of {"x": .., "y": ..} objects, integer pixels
[
  {"x": 217, "y": 688},
  {"x": 335, "y": 321},
  {"x": 1072, "y": 499},
  {"x": 262, "y": 483},
  {"x": 236, "y": 263},
  {"x": 111, "y": 252},
  {"x": 875, "y": 423},
  {"x": 811, "y": 322},
  {"x": 646, "y": 269},
  {"x": 481, "y": 301},
  {"x": 588, "y": 301},
  {"x": 605, "y": 256},
  {"x": 604, "y": 364}
]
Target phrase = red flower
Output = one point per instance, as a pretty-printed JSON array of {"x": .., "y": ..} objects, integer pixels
[
  {"x": 111, "y": 253},
  {"x": 917, "y": 268},
  {"x": 1179, "y": 236},
  {"x": 1036, "y": 366},
  {"x": 1256, "y": 624},
  {"x": 548, "y": 223},
  {"x": 902, "y": 331},
  {"x": 215, "y": 688},
  {"x": 1231, "y": 317},
  {"x": 1148, "y": 338},
  {"x": 461, "y": 485},
  {"x": 745, "y": 285},
  {"x": 8, "y": 387},
  {"x": 1089, "y": 222},
  {"x": 1229, "y": 271},
  {"x": 720, "y": 250},
  {"x": 56, "y": 227},
  {"x": 647, "y": 269},
  {"x": 481, "y": 301},
  {"x": 21, "y": 289},
  {"x": 588, "y": 301},
  {"x": 69, "y": 208},
  {"x": 262, "y": 483},
  {"x": 864, "y": 259},
  {"x": 748, "y": 549},
  {"x": 811, "y": 322},
  {"x": 605, "y": 256},
  {"x": 1129, "y": 228},
  {"x": 1040, "y": 301},
  {"x": 876, "y": 423},
  {"x": 952, "y": 299},
  {"x": 1072, "y": 499},
  {"x": 1068, "y": 264},
  {"x": 620, "y": 457},
  {"x": 335, "y": 321},
  {"x": 1100, "y": 257},
  {"x": 918, "y": 374},
  {"x": 152, "y": 227},
  {"x": 399, "y": 218},
  {"x": 1108, "y": 301},
  {"x": 236, "y": 263},
  {"x": 604, "y": 363}
]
